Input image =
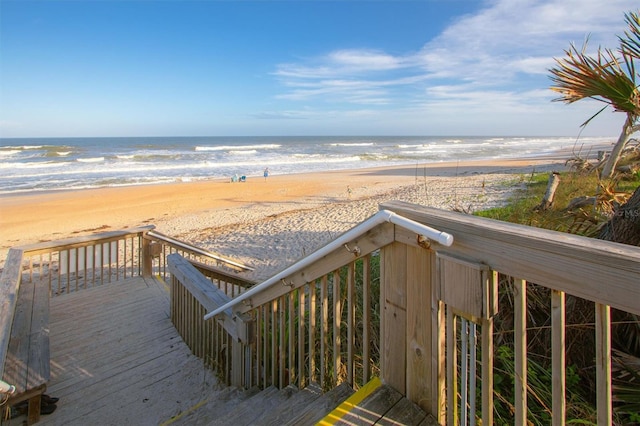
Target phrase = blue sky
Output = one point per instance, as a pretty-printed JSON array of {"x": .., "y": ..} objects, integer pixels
[{"x": 351, "y": 67}]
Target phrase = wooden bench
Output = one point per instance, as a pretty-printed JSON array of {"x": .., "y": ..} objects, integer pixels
[{"x": 27, "y": 360}]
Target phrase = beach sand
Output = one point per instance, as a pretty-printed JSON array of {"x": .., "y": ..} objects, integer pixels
[{"x": 265, "y": 223}]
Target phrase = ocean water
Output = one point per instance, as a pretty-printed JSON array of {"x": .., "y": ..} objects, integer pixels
[{"x": 44, "y": 164}]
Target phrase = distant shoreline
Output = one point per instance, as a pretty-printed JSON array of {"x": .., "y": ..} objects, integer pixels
[
  {"x": 443, "y": 168},
  {"x": 35, "y": 166},
  {"x": 558, "y": 156}
]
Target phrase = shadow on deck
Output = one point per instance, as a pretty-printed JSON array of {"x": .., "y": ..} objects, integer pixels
[{"x": 116, "y": 358}]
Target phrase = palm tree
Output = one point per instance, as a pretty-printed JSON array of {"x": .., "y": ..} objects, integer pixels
[{"x": 607, "y": 78}]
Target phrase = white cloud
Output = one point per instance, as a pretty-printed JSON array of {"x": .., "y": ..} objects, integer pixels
[
  {"x": 493, "y": 62},
  {"x": 506, "y": 34},
  {"x": 365, "y": 60},
  {"x": 343, "y": 62},
  {"x": 347, "y": 90}
]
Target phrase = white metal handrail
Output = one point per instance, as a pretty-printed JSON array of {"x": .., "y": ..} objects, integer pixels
[{"x": 379, "y": 218}]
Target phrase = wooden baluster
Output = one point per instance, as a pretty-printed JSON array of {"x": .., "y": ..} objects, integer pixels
[
  {"x": 274, "y": 333},
  {"x": 366, "y": 318},
  {"x": 259, "y": 350},
  {"x": 281, "y": 342},
  {"x": 312, "y": 332},
  {"x": 520, "y": 350},
  {"x": 452, "y": 363},
  {"x": 351, "y": 320},
  {"x": 337, "y": 311},
  {"x": 603, "y": 364},
  {"x": 291, "y": 343},
  {"x": 558, "y": 357},
  {"x": 301, "y": 335},
  {"x": 324, "y": 344}
]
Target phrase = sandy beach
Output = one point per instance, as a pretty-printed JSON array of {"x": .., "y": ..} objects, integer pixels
[{"x": 266, "y": 223}]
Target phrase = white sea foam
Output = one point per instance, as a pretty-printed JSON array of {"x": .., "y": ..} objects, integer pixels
[
  {"x": 237, "y": 147},
  {"x": 353, "y": 144},
  {"x": 404, "y": 145},
  {"x": 38, "y": 164},
  {"x": 28, "y": 147},
  {"x": 91, "y": 160},
  {"x": 31, "y": 165}
]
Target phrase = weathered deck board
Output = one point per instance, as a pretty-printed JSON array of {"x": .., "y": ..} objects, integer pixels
[{"x": 117, "y": 359}]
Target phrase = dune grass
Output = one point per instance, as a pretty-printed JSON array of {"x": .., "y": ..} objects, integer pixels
[
  {"x": 521, "y": 208},
  {"x": 586, "y": 221}
]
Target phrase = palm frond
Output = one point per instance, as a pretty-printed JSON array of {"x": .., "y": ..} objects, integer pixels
[
  {"x": 631, "y": 44},
  {"x": 579, "y": 76},
  {"x": 593, "y": 116}
]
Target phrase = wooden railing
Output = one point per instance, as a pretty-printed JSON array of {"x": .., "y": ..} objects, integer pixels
[
  {"x": 68, "y": 265},
  {"x": 488, "y": 261},
  {"x": 294, "y": 333},
  {"x": 222, "y": 272},
  {"x": 425, "y": 317},
  {"x": 71, "y": 264}
]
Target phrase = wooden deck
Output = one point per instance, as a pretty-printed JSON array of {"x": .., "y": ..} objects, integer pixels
[{"x": 117, "y": 359}]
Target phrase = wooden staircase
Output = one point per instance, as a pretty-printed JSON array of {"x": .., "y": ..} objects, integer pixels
[{"x": 374, "y": 403}]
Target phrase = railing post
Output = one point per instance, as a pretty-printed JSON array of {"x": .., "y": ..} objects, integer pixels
[
  {"x": 241, "y": 352},
  {"x": 393, "y": 316},
  {"x": 237, "y": 363},
  {"x": 150, "y": 250},
  {"x": 603, "y": 364},
  {"x": 145, "y": 257}
]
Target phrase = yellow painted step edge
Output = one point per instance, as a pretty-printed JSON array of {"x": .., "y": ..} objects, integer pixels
[
  {"x": 163, "y": 283},
  {"x": 184, "y": 413},
  {"x": 343, "y": 409}
]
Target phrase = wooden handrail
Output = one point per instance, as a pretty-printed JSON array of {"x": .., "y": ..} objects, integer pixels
[
  {"x": 82, "y": 241},
  {"x": 192, "y": 294},
  {"x": 603, "y": 272},
  {"x": 213, "y": 272},
  {"x": 9, "y": 285},
  {"x": 380, "y": 218},
  {"x": 305, "y": 328},
  {"x": 574, "y": 264},
  {"x": 185, "y": 246}
]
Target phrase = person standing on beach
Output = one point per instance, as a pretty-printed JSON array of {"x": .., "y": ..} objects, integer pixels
[{"x": 266, "y": 173}]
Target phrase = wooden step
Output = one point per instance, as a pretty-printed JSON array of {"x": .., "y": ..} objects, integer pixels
[
  {"x": 216, "y": 405},
  {"x": 288, "y": 406},
  {"x": 292, "y": 408},
  {"x": 377, "y": 403},
  {"x": 270, "y": 407},
  {"x": 254, "y": 407},
  {"x": 315, "y": 411}
]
